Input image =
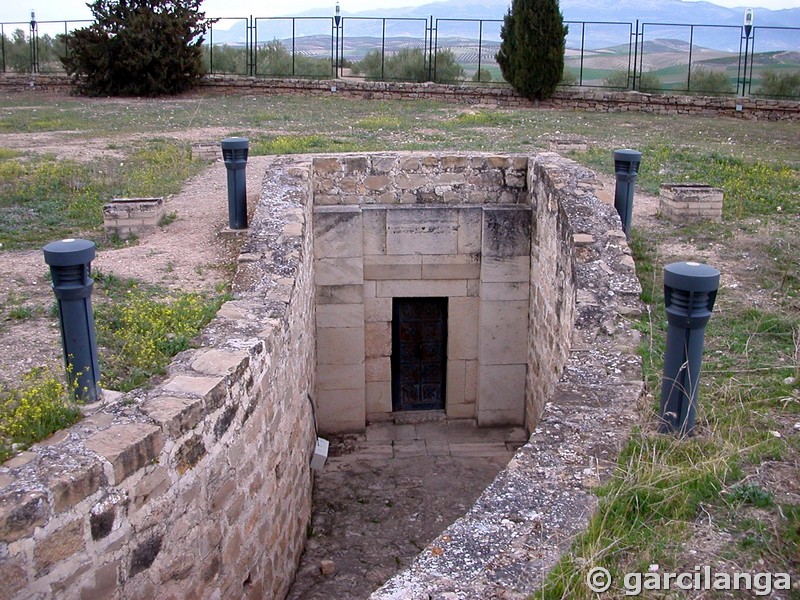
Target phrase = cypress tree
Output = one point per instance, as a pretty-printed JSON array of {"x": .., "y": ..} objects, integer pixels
[{"x": 531, "y": 55}]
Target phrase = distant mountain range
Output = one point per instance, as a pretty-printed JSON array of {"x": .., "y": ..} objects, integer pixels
[{"x": 457, "y": 19}]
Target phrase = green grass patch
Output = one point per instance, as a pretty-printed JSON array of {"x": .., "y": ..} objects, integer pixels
[
  {"x": 299, "y": 144},
  {"x": 40, "y": 406},
  {"x": 751, "y": 187},
  {"x": 480, "y": 118},
  {"x": 42, "y": 199},
  {"x": 140, "y": 329}
]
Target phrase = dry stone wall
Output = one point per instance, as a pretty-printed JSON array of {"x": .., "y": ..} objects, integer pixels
[
  {"x": 590, "y": 100},
  {"x": 200, "y": 487}
]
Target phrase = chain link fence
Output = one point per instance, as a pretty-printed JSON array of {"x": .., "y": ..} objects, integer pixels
[{"x": 648, "y": 57}]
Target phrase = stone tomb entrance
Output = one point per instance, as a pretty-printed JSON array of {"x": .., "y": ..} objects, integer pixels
[
  {"x": 419, "y": 353},
  {"x": 423, "y": 277}
]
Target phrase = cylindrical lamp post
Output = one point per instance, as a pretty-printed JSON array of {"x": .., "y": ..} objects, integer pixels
[
  {"x": 690, "y": 289},
  {"x": 234, "y": 153},
  {"x": 626, "y": 167},
  {"x": 70, "y": 266}
]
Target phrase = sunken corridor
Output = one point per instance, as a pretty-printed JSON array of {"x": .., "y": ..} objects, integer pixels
[{"x": 492, "y": 288}]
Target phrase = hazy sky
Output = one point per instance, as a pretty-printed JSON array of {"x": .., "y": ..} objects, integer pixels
[{"x": 59, "y": 10}]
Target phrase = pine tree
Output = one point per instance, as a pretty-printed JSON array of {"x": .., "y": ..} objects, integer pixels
[
  {"x": 531, "y": 55},
  {"x": 138, "y": 48}
]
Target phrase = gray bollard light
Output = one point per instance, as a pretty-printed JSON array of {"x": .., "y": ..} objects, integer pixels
[
  {"x": 70, "y": 266},
  {"x": 690, "y": 289},
  {"x": 626, "y": 167},
  {"x": 234, "y": 153}
]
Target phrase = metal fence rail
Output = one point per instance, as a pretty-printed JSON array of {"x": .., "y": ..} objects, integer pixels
[{"x": 652, "y": 57}]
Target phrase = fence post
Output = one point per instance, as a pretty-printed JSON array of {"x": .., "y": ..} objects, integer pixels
[{"x": 635, "y": 55}]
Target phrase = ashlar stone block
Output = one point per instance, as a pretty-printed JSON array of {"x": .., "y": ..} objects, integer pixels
[
  {"x": 501, "y": 393},
  {"x": 506, "y": 231},
  {"x": 337, "y": 231},
  {"x": 342, "y": 411},
  {"x": 340, "y": 315},
  {"x": 462, "y": 328},
  {"x": 340, "y": 345},
  {"x": 339, "y": 271},
  {"x": 422, "y": 230},
  {"x": 503, "y": 338}
]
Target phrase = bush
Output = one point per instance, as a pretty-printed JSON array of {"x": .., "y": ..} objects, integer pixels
[
  {"x": 645, "y": 82},
  {"x": 568, "y": 77},
  {"x": 482, "y": 76},
  {"x": 531, "y": 54},
  {"x": 710, "y": 82},
  {"x": 41, "y": 405},
  {"x": 779, "y": 85},
  {"x": 409, "y": 65},
  {"x": 138, "y": 48}
]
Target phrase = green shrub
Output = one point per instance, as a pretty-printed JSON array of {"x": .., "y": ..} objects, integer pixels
[
  {"x": 138, "y": 48},
  {"x": 531, "y": 55},
  {"x": 140, "y": 334},
  {"x": 645, "y": 82},
  {"x": 40, "y": 406},
  {"x": 482, "y": 76},
  {"x": 568, "y": 77},
  {"x": 779, "y": 85},
  {"x": 409, "y": 64},
  {"x": 710, "y": 82}
]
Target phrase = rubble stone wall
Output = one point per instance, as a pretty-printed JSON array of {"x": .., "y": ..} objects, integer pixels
[
  {"x": 200, "y": 487},
  {"x": 590, "y": 100}
]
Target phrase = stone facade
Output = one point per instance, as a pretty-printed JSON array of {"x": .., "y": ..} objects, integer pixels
[
  {"x": 200, "y": 487},
  {"x": 421, "y": 225},
  {"x": 586, "y": 99}
]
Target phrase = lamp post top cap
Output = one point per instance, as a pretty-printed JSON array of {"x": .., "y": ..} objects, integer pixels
[
  {"x": 627, "y": 154},
  {"x": 691, "y": 276},
  {"x": 69, "y": 252}
]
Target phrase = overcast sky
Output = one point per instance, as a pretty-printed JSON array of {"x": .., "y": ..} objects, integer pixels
[{"x": 60, "y": 10}]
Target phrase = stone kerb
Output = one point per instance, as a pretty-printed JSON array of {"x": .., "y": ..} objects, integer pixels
[
  {"x": 199, "y": 487},
  {"x": 518, "y": 528}
]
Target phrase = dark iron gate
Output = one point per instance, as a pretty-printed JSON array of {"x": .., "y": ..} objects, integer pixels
[{"x": 419, "y": 353}]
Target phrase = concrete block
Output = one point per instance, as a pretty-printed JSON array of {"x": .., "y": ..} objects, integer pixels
[
  {"x": 461, "y": 411},
  {"x": 471, "y": 381},
  {"x": 127, "y": 447},
  {"x": 501, "y": 389},
  {"x": 430, "y": 288},
  {"x": 337, "y": 231},
  {"x": 340, "y": 345},
  {"x": 339, "y": 271},
  {"x": 422, "y": 230},
  {"x": 340, "y": 294},
  {"x": 340, "y": 315},
  {"x": 462, "y": 328},
  {"x": 503, "y": 338}
]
